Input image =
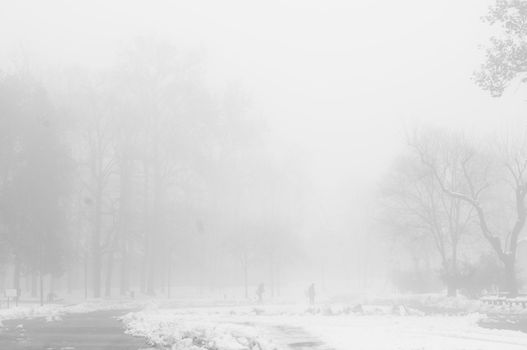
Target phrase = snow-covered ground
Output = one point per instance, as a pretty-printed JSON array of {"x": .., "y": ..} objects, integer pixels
[
  {"x": 413, "y": 332},
  {"x": 199, "y": 325},
  {"x": 266, "y": 327}
]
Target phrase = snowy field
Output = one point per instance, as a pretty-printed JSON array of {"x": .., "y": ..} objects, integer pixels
[
  {"x": 195, "y": 325},
  {"x": 274, "y": 327}
]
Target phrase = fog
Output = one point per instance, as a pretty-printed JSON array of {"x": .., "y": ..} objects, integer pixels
[{"x": 204, "y": 148}]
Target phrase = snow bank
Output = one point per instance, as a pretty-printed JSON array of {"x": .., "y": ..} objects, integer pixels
[
  {"x": 168, "y": 328},
  {"x": 267, "y": 327},
  {"x": 431, "y": 303}
]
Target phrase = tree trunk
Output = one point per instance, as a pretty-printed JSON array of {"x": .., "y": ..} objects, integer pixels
[
  {"x": 272, "y": 276},
  {"x": 109, "y": 273},
  {"x": 143, "y": 273},
  {"x": 157, "y": 211},
  {"x": 146, "y": 228},
  {"x": 123, "y": 220},
  {"x": 16, "y": 275},
  {"x": 169, "y": 276},
  {"x": 451, "y": 289},
  {"x": 34, "y": 282},
  {"x": 155, "y": 234},
  {"x": 510, "y": 278},
  {"x": 51, "y": 283},
  {"x": 70, "y": 279},
  {"x": 278, "y": 278},
  {"x": 150, "y": 277},
  {"x": 41, "y": 281},
  {"x": 96, "y": 274},
  {"x": 96, "y": 244},
  {"x": 454, "y": 274},
  {"x": 245, "y": 275},
  {"x": 27, "y": 281},
  {"x": 124, "y": 285},
  {"x": 85, "y": 277}
]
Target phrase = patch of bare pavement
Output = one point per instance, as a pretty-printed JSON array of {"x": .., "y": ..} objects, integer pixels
[
  {"x": 99, "y": 330},
  {"x": 296, "y": 338}
]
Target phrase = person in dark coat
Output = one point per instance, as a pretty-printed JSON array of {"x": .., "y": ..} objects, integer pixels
[
  {"x": 311, "y": 294},
  {"x": 260, "y": 291}
]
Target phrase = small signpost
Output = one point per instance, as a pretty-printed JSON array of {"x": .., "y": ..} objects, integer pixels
[{"x": 10, "y": 295}]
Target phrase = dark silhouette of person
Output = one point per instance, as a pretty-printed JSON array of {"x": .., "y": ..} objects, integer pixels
[
  {"x": 260, "y": 291},
  {"x": 311, "y": 294}
]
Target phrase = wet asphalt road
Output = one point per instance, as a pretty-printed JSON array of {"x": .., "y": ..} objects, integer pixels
[{"x": 99, "y": 330}]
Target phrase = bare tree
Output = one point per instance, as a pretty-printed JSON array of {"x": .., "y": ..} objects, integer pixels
[
  {"x": 416, "y": 203},
  {"x": 450, "y": 158},
  {"x": 99, "y": 162}
]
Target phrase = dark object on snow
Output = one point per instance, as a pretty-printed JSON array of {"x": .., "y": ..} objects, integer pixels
[{"x": 358, "y": 309}]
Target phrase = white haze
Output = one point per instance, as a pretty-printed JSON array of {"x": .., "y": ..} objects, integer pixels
[{"x": 337, "y": 82}]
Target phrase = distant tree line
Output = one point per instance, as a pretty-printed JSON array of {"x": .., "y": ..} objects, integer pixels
[{"x": 136, "y": 178}]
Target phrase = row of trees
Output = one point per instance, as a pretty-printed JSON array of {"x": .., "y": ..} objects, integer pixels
[
  {"x": 35, "y": 181},
  {"x": 134, "y": 176}
]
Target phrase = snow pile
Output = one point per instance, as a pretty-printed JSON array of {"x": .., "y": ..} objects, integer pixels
[
  {"x": 439, "y": 304},
  {"x": 431, "y": 303},
  {"x": 377, "y": 328},
  {"x": 29, "y": 312},
  {"x": 167, "y": 328},
  {"x": 301, "y": 310}
]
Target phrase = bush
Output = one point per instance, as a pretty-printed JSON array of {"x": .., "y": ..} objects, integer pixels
[{"x": 485, "y": 275}]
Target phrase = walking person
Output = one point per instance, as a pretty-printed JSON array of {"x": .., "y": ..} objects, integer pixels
[
  {"x": 311, "y": 294},
  {"x": 260, "y": 291}
]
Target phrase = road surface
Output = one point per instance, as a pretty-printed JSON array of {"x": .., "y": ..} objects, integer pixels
[{"x": 99, "y": 330}]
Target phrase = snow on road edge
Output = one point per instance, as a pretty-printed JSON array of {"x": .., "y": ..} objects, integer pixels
[
  {"x": 183, "y": 331},
  {"x": 55, "y": 311}
]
